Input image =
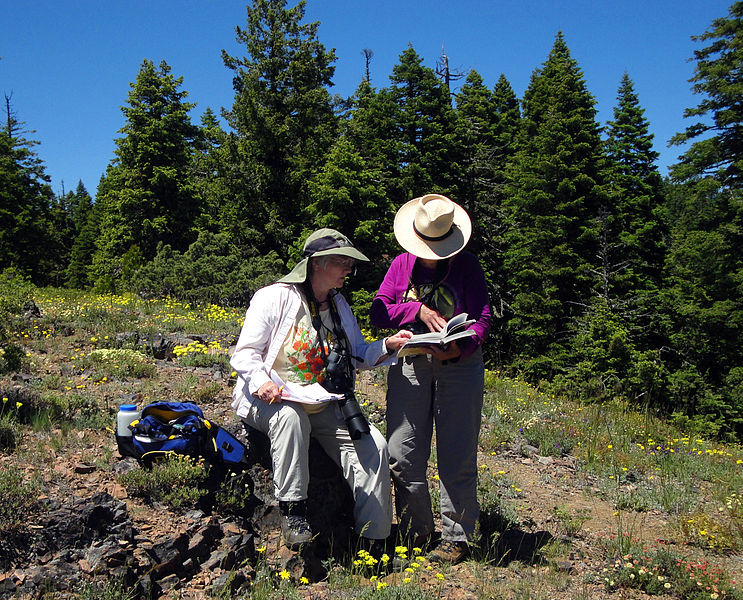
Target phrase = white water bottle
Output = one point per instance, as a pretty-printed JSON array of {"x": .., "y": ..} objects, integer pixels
[{"x": 127, "y": 413}]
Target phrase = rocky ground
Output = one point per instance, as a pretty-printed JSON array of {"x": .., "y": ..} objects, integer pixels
[{"x": 90, "y": 528}]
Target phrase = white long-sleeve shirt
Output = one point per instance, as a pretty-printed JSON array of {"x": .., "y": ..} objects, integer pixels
[{"x": 272, "y": 312}]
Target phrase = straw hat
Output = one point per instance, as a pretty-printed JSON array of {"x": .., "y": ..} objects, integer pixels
[
  {"x": 432, "y": 227},
  {"x": 322, "y": 243}
]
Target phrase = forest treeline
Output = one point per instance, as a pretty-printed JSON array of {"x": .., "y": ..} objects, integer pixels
[{"x": 608, "y": 280}]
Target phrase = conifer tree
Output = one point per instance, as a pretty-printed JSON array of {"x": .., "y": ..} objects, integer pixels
[
  {"x": 84, "y": 218},
  {"x": 487, "y": 129},
  {"x": 429, "y": 155},
  {"x": 26, "y": 241},
  {"x": 704, "y": 287},
  {"x": 718, "y": 78},
  {"x": 633, "y": 236},
  {"x": 210, "y": 171},
  {"x": 475, "y": 116},
  {"x": 371, "y": 128},
  {"x": 283, "y": 121},
  {"x": 552, "y": 209},
  {"x": 146, "y": 195}
]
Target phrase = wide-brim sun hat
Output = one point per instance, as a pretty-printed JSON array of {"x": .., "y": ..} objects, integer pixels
[
  {"x": 432, "y": 227},
  {"x": 322, "y": 242}
]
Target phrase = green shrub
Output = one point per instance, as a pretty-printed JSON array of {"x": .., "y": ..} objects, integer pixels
[
  {"x": 16, "y": 292},
  {"x": 211, "y": 270},
  {"x": 8, "y": 434},
  {"x": 17, "y": 499},
  {"x": 198, "y": 354},
  {"x": 105, "y": 590},
  {"x": 117, "y": 363},
  {"x": 11, "y": 358},
  {"x": 175, "y": 480},
  {"x": 207, "y": 393}
]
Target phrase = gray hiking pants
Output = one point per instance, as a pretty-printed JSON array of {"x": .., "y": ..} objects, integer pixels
[
  {"x": 423, "y": 393},
  {"x": 364, "y": 462}
]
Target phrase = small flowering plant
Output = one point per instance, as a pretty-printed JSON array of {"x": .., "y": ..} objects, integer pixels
[{"x": 663, "y": 572}]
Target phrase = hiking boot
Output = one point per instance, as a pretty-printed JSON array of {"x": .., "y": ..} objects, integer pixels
[
  {"x": 295, "y": 530},
  {"x": 449, "y": 551}
]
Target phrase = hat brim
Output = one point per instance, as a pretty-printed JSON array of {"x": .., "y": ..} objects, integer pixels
[
  {"x": 417, "y": 246},
  {"x": 299, "y": 273}
]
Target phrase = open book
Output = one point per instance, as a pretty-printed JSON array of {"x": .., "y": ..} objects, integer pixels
[{"x": 456, "y": 328}]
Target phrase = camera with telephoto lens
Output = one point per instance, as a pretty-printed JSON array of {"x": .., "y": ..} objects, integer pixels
[{"x": 340, "y": 381}]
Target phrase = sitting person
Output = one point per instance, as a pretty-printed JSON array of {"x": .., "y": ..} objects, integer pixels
[{"x": 291, "y": 330}]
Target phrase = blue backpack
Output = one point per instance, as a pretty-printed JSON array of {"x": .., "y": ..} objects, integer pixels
[{"x": 180, "y": 428}]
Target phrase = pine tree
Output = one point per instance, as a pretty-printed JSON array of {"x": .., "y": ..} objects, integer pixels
[
  {"x": 552, "y": 208},
  {"x": 147, "y": 196},
  {"x": 284, "y": 123}
]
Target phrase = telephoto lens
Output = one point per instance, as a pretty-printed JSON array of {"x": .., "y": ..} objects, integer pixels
[{"x": 355, "y": 419}]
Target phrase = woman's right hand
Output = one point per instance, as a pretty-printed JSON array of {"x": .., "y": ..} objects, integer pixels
[
  {"x": 269, "y": 392},
  {"x": 431, "y": 318}
]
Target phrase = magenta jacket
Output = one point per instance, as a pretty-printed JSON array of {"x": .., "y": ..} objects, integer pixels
[{"x": 465, "y": 280}]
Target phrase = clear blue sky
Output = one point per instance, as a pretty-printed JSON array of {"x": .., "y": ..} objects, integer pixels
[{"x": 68, "y": 63}]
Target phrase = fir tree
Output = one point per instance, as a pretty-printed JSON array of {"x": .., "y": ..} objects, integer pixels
[
  {"x": 84, "y": 218},
  {"x": 705, "y": 275},
  {"x": 633, "y": 236},
  {"x": 553, "y": 206},
  {"x": 284, "y": 123},
  {"x": 147, "y": 196},
  {"x": 428, "y": 155},
  {"x": 719, "y": 78},
  {"x": 26, "y": 241},
  {"x": 487, "y": 129}
]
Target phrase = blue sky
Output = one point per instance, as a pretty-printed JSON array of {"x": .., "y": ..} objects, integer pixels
[{"x": 68, "y": 63}]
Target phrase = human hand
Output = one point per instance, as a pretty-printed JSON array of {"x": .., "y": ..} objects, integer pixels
[
  {"x": 395, "y": 342},
  {"x": 431, "y": 318},
  {"x": 269, "y": 392},
  {"x": 451, "y": 351}
]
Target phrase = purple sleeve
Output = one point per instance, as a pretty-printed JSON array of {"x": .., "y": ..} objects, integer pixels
[
  {"x": 477, "y": 306},
  {"x": 387, "y": 310}
]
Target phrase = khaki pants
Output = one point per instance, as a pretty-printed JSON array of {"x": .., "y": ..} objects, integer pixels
[
  {"x": 364, "y": 462},
  {"x": 423, "y": 393}
]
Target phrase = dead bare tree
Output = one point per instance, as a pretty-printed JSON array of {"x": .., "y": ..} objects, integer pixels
[
  {"x": 443, "y": 70},
  {"x": 367, "y": 54}
]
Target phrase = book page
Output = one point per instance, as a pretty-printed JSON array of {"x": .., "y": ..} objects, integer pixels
[{"x": 312, "y": 393}]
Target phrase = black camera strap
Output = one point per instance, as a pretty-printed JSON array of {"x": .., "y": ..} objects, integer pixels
[{"x": 337, "y": 331}]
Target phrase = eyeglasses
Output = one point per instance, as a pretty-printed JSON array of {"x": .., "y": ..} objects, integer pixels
[{"x": 346, "y": 263}]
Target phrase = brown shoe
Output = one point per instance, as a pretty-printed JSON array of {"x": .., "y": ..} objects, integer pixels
[{"x": 450, "y": 552}]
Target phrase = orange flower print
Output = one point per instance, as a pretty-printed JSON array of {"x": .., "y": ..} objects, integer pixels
[{"x": 305, "y": 361}]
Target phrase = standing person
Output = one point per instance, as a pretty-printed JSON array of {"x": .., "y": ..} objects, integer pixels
[
  {"x": 423, "y": 288},
  {"x": 294, "y": 329}
]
